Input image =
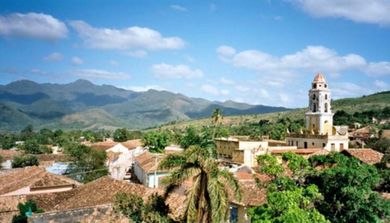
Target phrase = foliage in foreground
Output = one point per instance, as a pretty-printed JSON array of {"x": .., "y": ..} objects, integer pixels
[
  {"x": 29, "y": 205},
  {"x": 207, "y": 199},
  {"x": 136, "y": 210}
]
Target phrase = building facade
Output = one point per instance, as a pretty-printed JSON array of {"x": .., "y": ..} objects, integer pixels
[{"x": 320, "y": 131}]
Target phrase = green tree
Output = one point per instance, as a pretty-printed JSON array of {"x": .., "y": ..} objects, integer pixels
[
  {"x": 347, "y": 189},
  {"x": 294, "y": 205},
  {"x": 121, "y": 135},
  {"x": 88, "y": 164},
  {"x": 29, "y": 205},
  {"x": 156, "y": 141},
  {"x": 133, "y": 207},
  {"x": 190, "y": 138},
  {"x": 31, "y": 146},
  {"x": 269, "y": 165},
  {"x": 1, "y": 161},
  {"x": 207, "y": 199},
  {"x": 23, "y": 161}
]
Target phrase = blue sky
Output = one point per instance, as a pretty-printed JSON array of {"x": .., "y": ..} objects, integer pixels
[{"x": 259, "y": 52}]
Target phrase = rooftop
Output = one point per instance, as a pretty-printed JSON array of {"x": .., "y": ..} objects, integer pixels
[
  {"x": 319, "y": 78},
  {"x": 33, "y": 177},
  {"x": 147, "y": 161},
  {"x": 368, "y": 156},
  {"x": 130, "y": 144}
]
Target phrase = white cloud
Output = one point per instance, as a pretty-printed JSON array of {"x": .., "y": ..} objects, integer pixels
[
  {"x": 144, "y": 88},
  {"x": 137, "y": 53},
  {"x": 54, "y": 57},
  {"x": 381, "y": 85},
  {"x": 123, "y": 39},
  {"x": 77, "y": 61},
  {"x": 372, "y": 11},
  {"x": 225, "y": 53},
  {"x": 113, "y": 63},
  {"x": 178, "y": 8},
  {"x": 32, "y": 25},
  {"x": 164, "y": 70},
  {"x": 348, "y": 89},
  {"x": 226, "y": 81},
  {"x": 311, "y": 58},
  {"x": 101, "y": 74},
  {"x": 210, "y": 89}
]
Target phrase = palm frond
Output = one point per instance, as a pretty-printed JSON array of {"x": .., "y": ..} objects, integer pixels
[
  {"x": 232, "y": 182},
  {"x": 172, "y": 161},
  {"x": 192, "y": 200},
  {"x": 219, "y": 200}
]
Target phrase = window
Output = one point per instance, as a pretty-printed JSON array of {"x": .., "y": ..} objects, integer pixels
[
  {"x": 314, "y": 107},
  {"x": 314, "y": 97},
  {"x": 326, "y": 97},
  {"x": 326, "y": 85},
  {"x": 314, "y": 85},
  {"x": 326, "y": 107},
  {"x": 312, "y": 143},
  {"x": 305, "y": 145},
  {"x": 323, "y": 145}
]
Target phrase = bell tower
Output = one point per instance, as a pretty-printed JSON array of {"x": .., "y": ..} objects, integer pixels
[{"x": 319, "y": 118}]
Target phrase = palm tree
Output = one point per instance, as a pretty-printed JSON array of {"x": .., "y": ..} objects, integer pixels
[
  {"x": 216, "y": 116},
  {"x": 207, "y": 199}
]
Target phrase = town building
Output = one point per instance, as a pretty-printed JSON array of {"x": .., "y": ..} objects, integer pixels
[
  {"x": 320, "y": 131},
  {"x": 243, "y": 150},
  {"x": 146, "y": 169},
  {"x": 120, "y": 160}
]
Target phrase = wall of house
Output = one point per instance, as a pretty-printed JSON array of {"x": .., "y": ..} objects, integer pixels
[
  {"x": 155, "y": 180},
  {"x": 140, "y": 174},
  {"x": 330, "y": 143}
]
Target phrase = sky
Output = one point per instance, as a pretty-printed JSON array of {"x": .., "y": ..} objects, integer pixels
[{"x": 258, "y": 52}]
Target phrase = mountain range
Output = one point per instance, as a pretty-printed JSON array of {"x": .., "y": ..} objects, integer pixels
[{"x": 84, "y": 105}]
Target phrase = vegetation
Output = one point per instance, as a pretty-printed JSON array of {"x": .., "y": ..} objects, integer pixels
[
  {"x": 88, "y": 164},
  {"x": 136, "y": 210},
  {"x": 342, "y": 117},
  {"x": 28, "y": 206},
  {"x": 208, "y": 197},
  {"x": 156, "y": 141},
  {"x": 25, "y": 160},
  {"x": 122, "y": 135}
]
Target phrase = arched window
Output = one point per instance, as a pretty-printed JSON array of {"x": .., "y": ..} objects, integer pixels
[
  {"x": 314, "y": 107},
  {"x": 326, "y": 97},
  {"x": 326, "y": 107},
  {"x": 314, "y": 85},
  {"x": 314, "y": 97}
]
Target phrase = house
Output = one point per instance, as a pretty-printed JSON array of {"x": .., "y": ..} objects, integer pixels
[
  {"x": 243, "y": 150},
  {"x": 306, "y": 153},
  {"x": 17, "y": 184},
  {"x": 8, "y": 156},
  {"x": 78, "y": 205},
  {"x": 103, "y": 146},
  {"x": 368, "y": 156},
  {"x": 146, "y": 169},
  {"x": 33, "y": 180},
  {"x": 120, "y": 160}
]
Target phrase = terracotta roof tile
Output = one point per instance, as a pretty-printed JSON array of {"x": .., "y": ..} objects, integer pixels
[
  {"x": 130, "y": 144},
  {"x": 33, "y": 177},
  {"x": 368, "y": 156},
  {"x": 9, "y": 154},
  {"x": 147, "y": 161}
]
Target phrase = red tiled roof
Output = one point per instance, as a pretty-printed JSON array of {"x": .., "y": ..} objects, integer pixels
[
  {"x": 368, "y": 156},
  {"x": 147, "y": 161},
  {"x": 34, "y": 177},
  {"x": 130, "y": 144},
  {"x": 319, "y": 78},
  {"x": 9, "y": 154}
]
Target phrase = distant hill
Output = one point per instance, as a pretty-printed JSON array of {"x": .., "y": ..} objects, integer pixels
[
  {"x": 378, "y": 100},
  {"x": 84, "y": 105}
]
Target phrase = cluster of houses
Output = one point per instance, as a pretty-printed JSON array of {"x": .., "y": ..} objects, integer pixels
[{"x": 133, "y": 169}]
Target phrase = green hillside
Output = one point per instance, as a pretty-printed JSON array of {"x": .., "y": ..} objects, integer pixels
[{"x": 375, "y": 101}]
